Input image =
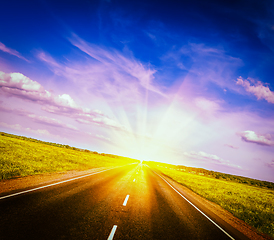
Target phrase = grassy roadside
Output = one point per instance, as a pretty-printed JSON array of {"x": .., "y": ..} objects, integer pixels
[
  {"x": 21, "y": 156},
  {"x": 254, "y": 205}
]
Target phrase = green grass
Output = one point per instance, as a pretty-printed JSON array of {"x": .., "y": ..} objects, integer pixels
[
  {"x": 21, "y": 156},
  {"x": 252, "y": 204},
  {"x": 248, "y": 199}
]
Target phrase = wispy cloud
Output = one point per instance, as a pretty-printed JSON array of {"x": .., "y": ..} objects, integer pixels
[
  {"x": 209, "y": 158},
  {"x": 103, "y": 138},
  {"x": 202, "y": 65},
  {"x": 207, "y": 105},
  {"x": 20, "y": 112},
  {"x": 205, "y": 156},
  {"x": 18, "y": 127},
  {"x": 252, "y": 137},
  {"x": 39, "y": 119},
  {"x": 270, "y": 164},
  {"x": 231, "y": 146},
  {"x": 89, "y": 117},
  {"x": 18, "y": 85},
  {"x": 50, "y": 121},
  {"x": 120, "y": 67},
  {"x": 11, "y": 51},
  {"x": 258, "y": 89}
]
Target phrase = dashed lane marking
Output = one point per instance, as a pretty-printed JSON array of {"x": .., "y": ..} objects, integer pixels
[
  {"x": 126, "y": 199},
  {"x": 113, "y": 230}
]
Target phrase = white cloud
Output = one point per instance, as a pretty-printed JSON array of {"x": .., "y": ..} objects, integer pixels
[
  {"x": 252, "y": 137},
  {"x": 207, "y": 105},
  {"x": 258, "y": 89},
  {"x": 18, "y": 85},
  {"x": 13, "y": 52},
  {"x": 66, "y": 100}
]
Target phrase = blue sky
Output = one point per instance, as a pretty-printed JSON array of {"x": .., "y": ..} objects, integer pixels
[{"x": 183, "y": 82}]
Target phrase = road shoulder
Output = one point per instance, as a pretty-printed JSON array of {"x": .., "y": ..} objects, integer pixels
[
  {"x": 226, "y": 216},
  {"x": 28, "y": 182}
]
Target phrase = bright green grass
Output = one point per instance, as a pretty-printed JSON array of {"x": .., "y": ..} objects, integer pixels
[
  {"x": 254, "y": 205},
  {"x": 22, "y": 157}
]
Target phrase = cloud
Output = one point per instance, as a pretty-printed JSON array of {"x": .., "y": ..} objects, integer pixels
[
  {"x": 66, "y": 100},
  {"x": 103, "y": 137},
  {"x": 50, "y": 121},
  {"x": 18, "y": 85},
  {"x": 48, "y": 59},
  {"x": 210, "y": 158},
  {"x": 18, "y": 127},
  {"x": 271, "y": 164},
  {"x": 258, "y": 89},
  {"x": 207, "y": 105},
  {"x": 231, "y": 146},
  {"x": 205, "y": 156},
  {"x": 202, "y": 65},
  {"x": 205, "y": 50},
  {"x": 39, "y": 119},
  {"x": 13, "y": 52},
  {"x": 20, "y": 112},
  {"x": 120, "y": 68},
  {"x": 89, "y": 117},
  {"x": 252, "y": 137}
]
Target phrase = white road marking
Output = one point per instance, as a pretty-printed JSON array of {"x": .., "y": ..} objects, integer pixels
[
  {"x": 111, "y": 235},
  {"x": 34, "y": 189},
  {"x": 126, "y": 199},
  {"x": 196, "y": 208},
  {"x": 134, "y": 180}
]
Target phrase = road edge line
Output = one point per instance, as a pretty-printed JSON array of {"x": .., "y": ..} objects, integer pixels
[
  {"x": 196, "y": 208},
  {"x": 53, "y": 184}
]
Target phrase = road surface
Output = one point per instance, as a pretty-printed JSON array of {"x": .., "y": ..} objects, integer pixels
[{"x": 130, "y": 202}]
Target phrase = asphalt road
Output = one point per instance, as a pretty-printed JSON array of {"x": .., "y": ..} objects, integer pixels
[{"x": 130, "y": 202}]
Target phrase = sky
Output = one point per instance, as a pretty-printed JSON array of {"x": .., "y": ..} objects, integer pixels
[{"x": 182, "y": 82}]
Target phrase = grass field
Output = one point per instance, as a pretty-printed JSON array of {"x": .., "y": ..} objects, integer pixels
[
  {"x": 22, "y": 157},
  {"x": 248, "y": 199},
  {"x": 252, "y": 204}
]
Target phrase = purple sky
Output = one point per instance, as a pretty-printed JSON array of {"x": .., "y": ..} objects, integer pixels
[{"x": 187, "y": 83}]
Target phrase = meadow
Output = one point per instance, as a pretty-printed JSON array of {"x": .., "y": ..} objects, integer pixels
[
  {"x": 249, "y": 200},
  {"x": 22, "y": 156}
]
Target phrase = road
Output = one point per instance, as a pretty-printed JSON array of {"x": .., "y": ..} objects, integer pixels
[{"x": 130, "y": 202}]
